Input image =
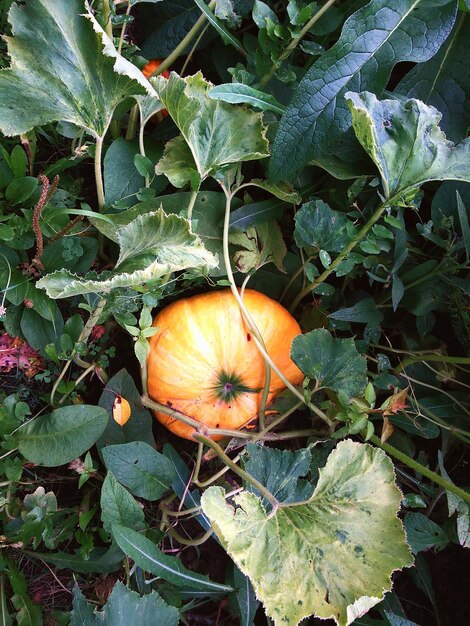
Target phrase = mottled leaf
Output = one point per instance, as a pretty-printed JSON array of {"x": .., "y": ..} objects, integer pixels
[
  {"x": 211, "y": 128},
  {"x": 333, "y": 363},
  {"x": 261, "y": 244},
  {"x": 405, "y": 142},
  {"x": 151, "y": 246},
  {"x": 336, "y": 553},
  {"x": 63, "y": 67}
]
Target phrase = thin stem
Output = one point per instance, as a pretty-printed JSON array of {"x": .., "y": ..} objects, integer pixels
[
  {"x": 190, "y": 542},
  {"x": 295, "y": 42},
  {"x": 132, "y": 122},
  {"x": 195, "y": 45},
  {"x": 99, "y": 173},
  {"x": 184, "y": 43},
  {"x": 142, "y": 148},
  {"x": 123, "y": 29},
  {"x": 440, "y": 358},
  {"x": 421, "y": 469},
  {"x": 341, "y": 256},
  {"x": 234, "y": 467}
]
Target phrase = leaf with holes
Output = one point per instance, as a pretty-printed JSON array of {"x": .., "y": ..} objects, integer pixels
[{"x": 405, "y": 142}]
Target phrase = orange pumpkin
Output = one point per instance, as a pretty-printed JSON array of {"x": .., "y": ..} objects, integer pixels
[
  {"x": 204, "y": 363},
  {"x": 148, "y": 69}
]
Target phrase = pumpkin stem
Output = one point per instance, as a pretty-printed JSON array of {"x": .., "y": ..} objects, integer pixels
[{"x": 229, "y": 386}]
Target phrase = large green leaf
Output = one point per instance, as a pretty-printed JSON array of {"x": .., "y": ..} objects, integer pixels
[
  {"x": 152, "y": 245},
  {"x": 211, "y": 128},
  {"x": 333, "y": 363},
  {"x": 63, "y": 67},
  {"x": 61, "y": 436},
  {"x": 143, "y": 470},
  {"x": 405, "y": 142},
  {"x": 333, "y": 556},
  {"x": 444, "y": 81},
  {"x": 373, "y": 40},
  {"x": 147, "y": 556}
]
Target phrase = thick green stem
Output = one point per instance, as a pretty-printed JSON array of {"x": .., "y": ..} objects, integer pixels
[
  {"x": 192, "y": 202},
  {"x": 99, "y": 173},
  {"x": 421, "y": 469},
  {"x": 132, "y": 122},
  {"x": 340, "y": 258},
  {"x": 295, "y": 42},
  {"x": 237, "y": 470}
]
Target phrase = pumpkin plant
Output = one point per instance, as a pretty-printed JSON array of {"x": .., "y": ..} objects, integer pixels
[{"x": 204, "y": 363}]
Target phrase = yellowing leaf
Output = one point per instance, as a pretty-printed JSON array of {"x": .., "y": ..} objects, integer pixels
[
  {"x": 121, "y": 410},
  {"x": 331, "y": 556}
]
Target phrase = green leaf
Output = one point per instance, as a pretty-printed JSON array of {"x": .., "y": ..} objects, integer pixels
[
  {"x": 118, "y": 506},
  {"x": 318, "y": 226},
  {"x": 64, "y": 67},
  {"x": 61, "y": 436},
  {"x": 122, "y": 180},
  {"x": 99, "y": 561},
  {"x": 244, "y": 600},
  {"x": 123, "y": 607},
  {"x": 333, "y": 363},
  {"x": 443, "y": 81},
  {"x": 82, "y": 613},
  {"x": 147, "y": 556},
  {"x": 153, "y": 245},
  {"x": 281, "y": 190},
  {"x": 373, "y": 40},
  {"x": 128, "y": 607},
  {"x": 464, "y": 225},
  {"x": 256, "y": 213},
  {"x": 138, "y": 427},
  {"x": 207, "y": 219},
  {"x": 238, "y": 93},
  {"x": 144, "y": 471},
  {"x": 336, "y": 553},
  {"x": 38, "y": 331},
  {"x": 211, "y": 128},
  {"x": 422, "y": 533},
  {"x": 405, "y": 142},
  {"x": 280, "y": 471}
]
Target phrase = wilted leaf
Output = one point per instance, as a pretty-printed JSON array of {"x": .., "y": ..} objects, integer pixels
[
  {"x": 152, "y": 246},
  {"x": 262, "y": 244},
  {"x": 333, "y": 363},
  {"x": 211, "y": 128},
  {"x": 121, "y": 410},
  {"x": 405, "y": 142},
  {"x": 63, "y": 67},
  {"x": 177, "y": 164},
  {"x": 335, "y": 554},
  {"x": 238, "y": 93}
]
